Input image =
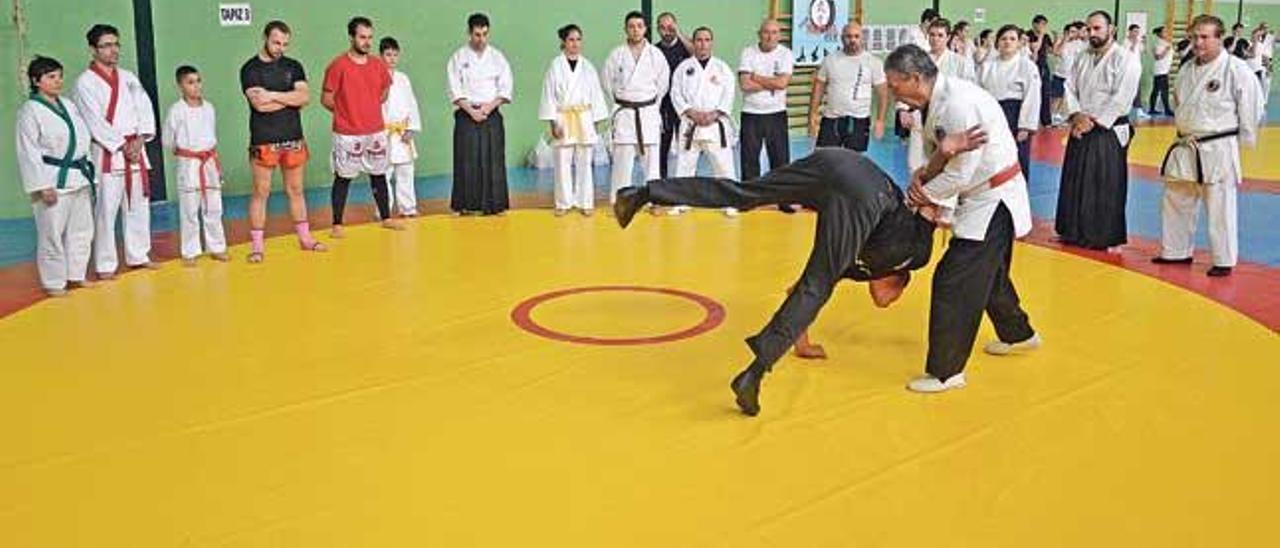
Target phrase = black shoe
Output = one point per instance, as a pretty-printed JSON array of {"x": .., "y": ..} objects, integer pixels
[
  {"x": 628, "y": 202},
  {"x": 746, "y": 389},
  {"x": 1219, "y": 271},
  {"x": 786, "y": 208},
  {"x": 1162, "y": 260}
]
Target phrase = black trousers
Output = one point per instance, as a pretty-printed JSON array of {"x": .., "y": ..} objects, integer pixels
[
  {"x": 338, "y": 196},
  {"x": 1160, "y": 87},
  {"x": 670, "y": 125},
  {"x": 769, "y": 129},
  {"x": 846, "y": 132},
  {"x": 973, "y": 277},
  {"x": 479, "y": 165}
]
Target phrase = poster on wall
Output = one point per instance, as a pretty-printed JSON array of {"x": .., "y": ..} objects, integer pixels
[
  {"x": 886, "y": 38},
  {"x": 818, "y": 30},
  {"x": 235, "y": 15}
]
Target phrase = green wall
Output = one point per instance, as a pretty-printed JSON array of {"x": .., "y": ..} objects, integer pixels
[{"x": 187, "y": 31}]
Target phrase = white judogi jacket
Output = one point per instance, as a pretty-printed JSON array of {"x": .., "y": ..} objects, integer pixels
[
  {"x": 949, "y": 64},
  {"x": 1103, "y": 86},
  {"x": 132, "y": 115},
  {"x": 712, "y": 88},
  {"x": 636, "y": 80},
  {"x": 1014, "y": 78},
  {"x": 954, "y": 64},
  {"x": 1217, "y": 96},
  {"x": 41, "y": 132},
  {"x": 573, "y": 99},
  {"x": 195, "y": 129},
  {"x": 400, "y": 112},
  {"x": 479, "y": 77},
  {"x": 957, "y": 105}
]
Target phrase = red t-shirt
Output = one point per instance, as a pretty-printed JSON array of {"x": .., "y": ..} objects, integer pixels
[{"x": 358, "y": 91}]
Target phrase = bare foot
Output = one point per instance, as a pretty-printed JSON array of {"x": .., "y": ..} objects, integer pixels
[
  {"x": 189, "y": 262},
  {"x": 811, "y": 352},
  {"x": 55, "y": 293},
  {"x": 106, "y": 276},
  {"x": 255, "y": 257},
  {"x": 392, "y": 224},
  {"x": 588, "y": 212},
  {"x": 81, "y": 284},
  {"x": 337, "y": 232},
  {"x": 220, "y": 257},
  {"x": 316, "y": 247}
]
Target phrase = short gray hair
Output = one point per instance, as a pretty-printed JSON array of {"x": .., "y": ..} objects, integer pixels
[{"x": 910, "y": 59}]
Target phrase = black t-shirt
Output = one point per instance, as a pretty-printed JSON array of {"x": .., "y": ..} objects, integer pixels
[
  {"x": 280, "y": 75},
  {"x": 676, "y": 53}
]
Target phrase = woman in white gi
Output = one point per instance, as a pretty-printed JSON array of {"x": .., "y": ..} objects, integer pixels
[
  {"x": 53, "y": 147},
  {"x": 400, "y": 114},
  {"x": 572, "y": 104},
  {"x": 702, "y": 90},
  {"x": 1014, "y": 81}
]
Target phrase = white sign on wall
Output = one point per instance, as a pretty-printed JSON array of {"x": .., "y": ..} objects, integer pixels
[
  {"x": 979, "y": 15},
  {"x": 235, "y": 15}
]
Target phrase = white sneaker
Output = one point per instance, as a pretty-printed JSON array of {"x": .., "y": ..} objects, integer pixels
[
  {"x": 677, "y": 210},
  {"x": 929, "y": 384},
  {"x": 730, "y": 212},
  {"x": 1000, "y": 348}
]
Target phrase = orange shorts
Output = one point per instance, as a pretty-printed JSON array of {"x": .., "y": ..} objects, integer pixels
[{"x": 287, "y": 155}]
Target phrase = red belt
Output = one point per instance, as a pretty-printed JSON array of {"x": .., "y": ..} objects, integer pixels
[
  {"x": 204, "y": 156},
  {"x": 1005, "y": 175},
  {"x": 128, "y": 170}
]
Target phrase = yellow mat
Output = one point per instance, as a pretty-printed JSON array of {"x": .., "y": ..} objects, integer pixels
[
  {"x": 1151, "y": 143},
  {"x": 380, "y": 396}
]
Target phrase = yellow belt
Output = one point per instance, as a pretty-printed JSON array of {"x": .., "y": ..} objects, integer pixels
[
  {"x": 573, "y": 121},
  {"x": 397, "y": 129}
]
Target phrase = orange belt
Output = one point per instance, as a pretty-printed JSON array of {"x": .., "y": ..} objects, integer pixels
[{"x": 204, "y": 156}]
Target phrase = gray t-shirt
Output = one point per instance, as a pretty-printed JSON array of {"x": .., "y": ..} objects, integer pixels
[{"x": 849, "y": 80}]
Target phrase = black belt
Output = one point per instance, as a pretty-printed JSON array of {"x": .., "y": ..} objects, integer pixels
[
  {"x": 82, "y": 164},
  {"x": 1194, "y": 141},
  {"x": 636, "y": 106},
  {"x": 688, "y": 135}
]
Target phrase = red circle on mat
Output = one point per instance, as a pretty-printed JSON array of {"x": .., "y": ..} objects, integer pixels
[{"x": 522, "y": 315}]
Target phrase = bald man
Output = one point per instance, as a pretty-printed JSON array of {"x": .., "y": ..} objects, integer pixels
[
  {"x": 840, "y": 105},
  {"x": 763, "y": 75}
]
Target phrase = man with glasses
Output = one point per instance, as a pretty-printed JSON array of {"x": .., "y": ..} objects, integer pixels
[{"x": 118, "y": 112}]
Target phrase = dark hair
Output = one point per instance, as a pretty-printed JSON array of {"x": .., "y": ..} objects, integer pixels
[
  {"x": 700, "y": 29},
  {"x": 1206, "y": 19},
  {"x": 1081, "y": 24},
  {"x": 1134, "y": 27},
  {"x": 984, "y": 34},
  {"x": 1039, "y": 18},
  {"x": 666, "y": 14},
  {"x": 635, "y": 15},
  {"x": 910, "y": 59},
  {"x": 356, "y": 22},
  {"x": 929, "y": 14},
  {"x": 183, "y": 71},
  {"x": 39, "y": 67},
  {"x": 941, "y": 23},
  {"x": 1103, "y": 13},
  {"x": 387, "y": 43},
  {"x": 99, "y": 30},
  {"x": 1008, "y": 28},
  {"x": 477, "y": 21},
  {"x": 276, "y": 25},
  {"x": 564, "y": 31},
  {"x": 1157, "y": 31},
  {"x": 961, "y": 25}
]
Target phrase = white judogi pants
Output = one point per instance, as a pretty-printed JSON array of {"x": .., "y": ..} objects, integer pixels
[
  {"x": 1180, "y": 210},
  {"x": 137, "y": 223},
  {"x": 624, "y": 159},
  {"x": 195, "y": 212},
  {"x": 64, "y": 238},
  {"x": 575, "y": 184},
  {"x": 721, "y": 159},
  {"x": 403, "y": 196}
]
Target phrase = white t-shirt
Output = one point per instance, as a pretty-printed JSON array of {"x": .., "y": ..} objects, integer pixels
[
  {"x": 849, "y": 80},
  {"x": 1162, "y": 66},
  {"x": 774, "y": 63}
]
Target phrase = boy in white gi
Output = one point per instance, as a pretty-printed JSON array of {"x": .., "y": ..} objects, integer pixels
[
  {"x": 191, "y": 131},
  {"x": 400, "y": 113}
]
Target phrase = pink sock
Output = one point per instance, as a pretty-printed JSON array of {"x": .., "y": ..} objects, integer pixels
[
  {"x": 255, "y": 236},
  {"x": 303, "y": 228}
]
